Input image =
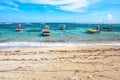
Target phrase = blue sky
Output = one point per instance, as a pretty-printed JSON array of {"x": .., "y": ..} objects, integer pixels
[{"x": 79, "y": 11}]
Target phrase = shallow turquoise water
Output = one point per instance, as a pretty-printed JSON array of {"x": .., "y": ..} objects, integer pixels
[{"x": 74, "y": 32}]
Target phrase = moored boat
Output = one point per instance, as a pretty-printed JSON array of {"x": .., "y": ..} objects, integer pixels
[
  {"x": 19, "y": 28},
  {"x": 107, "y": 28},
  {"x": 62, "y": 27},
  {"x": 92, "y": 30},
  {"x": 46, "y": 31}
]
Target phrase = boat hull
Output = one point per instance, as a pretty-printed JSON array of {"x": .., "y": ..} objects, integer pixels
[
  {"x": 92, "y": 30},
  {"x": 62, "y": 27},
  {"x": 107, "y": 29},
  {"x": 19, "y": 29},
  {"x": 45, "y": 33}
]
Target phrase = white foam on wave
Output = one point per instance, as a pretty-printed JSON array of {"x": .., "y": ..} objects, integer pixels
[
  {"x": 52, "y": 44},
  {"x": 8, "y": 23},
  {"x": 38, "y": 44}
]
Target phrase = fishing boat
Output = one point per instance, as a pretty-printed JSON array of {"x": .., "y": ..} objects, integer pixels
[
  {"x": 45, "y": 31},
  {"x": 90, "y": 30},
  {"x": 107, "y": 28},
  {"x": 19, "y": 28},
  {"x": 62, "y": 27},
  {"x": 103, "y": 28}
]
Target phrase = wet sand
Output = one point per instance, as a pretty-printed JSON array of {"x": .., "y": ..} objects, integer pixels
[{"x": 61, "y": 63}]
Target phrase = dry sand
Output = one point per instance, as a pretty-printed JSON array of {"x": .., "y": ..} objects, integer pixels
[{"x": 61, "y": 63}]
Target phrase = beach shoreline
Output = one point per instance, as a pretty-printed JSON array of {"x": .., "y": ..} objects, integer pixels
[
  {"x": 97, "y": 62},
  {"x": 7, "y": 45}
]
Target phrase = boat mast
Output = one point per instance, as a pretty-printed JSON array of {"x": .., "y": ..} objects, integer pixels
[
  {"x": 44, "y": 21},
  {"x": 89, "y": 24},
  {"x": 102, "y": 21}
]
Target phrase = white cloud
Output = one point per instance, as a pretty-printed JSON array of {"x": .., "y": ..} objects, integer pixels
[
  {"x": 14, "y": 9},
  {"x": 9, "y": 2},
  {"x": 9, "y": 8},
  {"x": 50, "y": 2},
  {"x": 66, "y": 5},
  {"x": 75, "y": 7},
  {"x": 10, "y": 5},
  {"x": 110, "y": 17}
]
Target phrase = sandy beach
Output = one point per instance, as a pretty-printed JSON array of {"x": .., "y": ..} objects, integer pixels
[{"x": 61, "y": 63}]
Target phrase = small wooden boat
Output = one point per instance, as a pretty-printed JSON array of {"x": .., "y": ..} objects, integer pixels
[
  {"x": 107, "y": 28},
  {"x": 62, "y": 27},
  {"x": 45, "y": 31},
  {"x": 92, "y": 30},
  {"x": 19, "y": 28},
  {"x": 110, "y": 28}
]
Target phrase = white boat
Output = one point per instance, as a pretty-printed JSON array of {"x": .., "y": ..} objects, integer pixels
[
  {"x": 19, "y": 28},
  {"x": 62, "y": 27},
  {"x": 45, "y": 31}
]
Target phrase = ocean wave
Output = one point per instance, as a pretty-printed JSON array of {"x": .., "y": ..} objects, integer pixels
[
  {"x": 6, "y": 23},
  {"x": 51, "y": 44},
  {"x": 37, "y": 44},
  {"x": 29, "y": 23}
]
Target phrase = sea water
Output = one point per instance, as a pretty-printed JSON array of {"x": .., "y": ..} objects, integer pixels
[{"x": 74, "y": 34}]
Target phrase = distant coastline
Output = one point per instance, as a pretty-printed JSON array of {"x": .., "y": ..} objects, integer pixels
[{"x": 56, "y": 22}]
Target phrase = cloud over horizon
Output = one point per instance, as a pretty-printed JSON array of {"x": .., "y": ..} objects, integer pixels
[
  {"x": 8, "y": 5},
  {"x": 80, "y": 10},
  {"x": 110, "y": 17},
  {"x": 65, "y": 5}
]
